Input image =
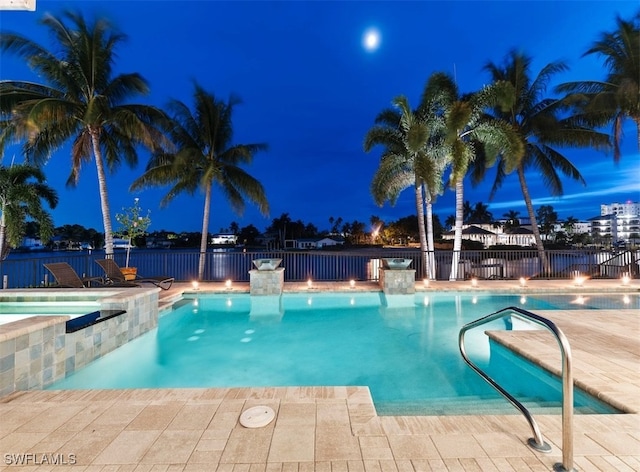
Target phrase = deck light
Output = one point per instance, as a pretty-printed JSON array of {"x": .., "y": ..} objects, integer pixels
[
  {"x": 474, "y": 282},
  {"x": 425, "y": 282},
  {"x": 523, "y": 282},
  {"x": 309, "y": 283},
  {"x": 579, "y": 280},
  {"x": 626, "y": 279},
  {"x": 195, "y": 285},
  {"x": 352, "y": 283},
  {"x": 228, "y": 284}
]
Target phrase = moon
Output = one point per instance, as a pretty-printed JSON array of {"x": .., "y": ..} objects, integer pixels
[{"x": 371, "y": 39}]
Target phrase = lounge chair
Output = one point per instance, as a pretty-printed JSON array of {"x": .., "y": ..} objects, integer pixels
[
  {"x": 113, "y": 274},
  {"x": 67, "y": 277}
]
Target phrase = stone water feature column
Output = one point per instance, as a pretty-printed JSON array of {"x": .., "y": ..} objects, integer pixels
[
  {"x": 396, "y": 278},
  {"x": 267, "y": 278},
  {"x": 398, "y": 281},
  {"x": 266, "y": 282}
]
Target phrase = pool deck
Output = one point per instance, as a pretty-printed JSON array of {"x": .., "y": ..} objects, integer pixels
[{"x": 336, "y": 429}]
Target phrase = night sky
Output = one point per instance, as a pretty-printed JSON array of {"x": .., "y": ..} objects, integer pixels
[{"x": 311, "y": 89}]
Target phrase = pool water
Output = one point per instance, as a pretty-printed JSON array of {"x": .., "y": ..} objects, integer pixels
[
  {"x": 17, "y": 310},
  {"x": 403, "y": 348}
]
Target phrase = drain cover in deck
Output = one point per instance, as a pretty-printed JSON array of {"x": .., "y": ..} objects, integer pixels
[{"x": 257, "y": 417}]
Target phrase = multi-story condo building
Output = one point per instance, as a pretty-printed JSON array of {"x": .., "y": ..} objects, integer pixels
[
  {"x": 618, "y": 221},
  {"x": 621, "y": 209},
  {"x": 579, "y": 227}
]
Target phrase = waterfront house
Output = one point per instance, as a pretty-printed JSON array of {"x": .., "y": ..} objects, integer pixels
[{"x": 313, "y": 243}]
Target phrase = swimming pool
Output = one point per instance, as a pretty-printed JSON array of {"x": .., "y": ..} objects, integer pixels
[{"x": 403, "y": 348}]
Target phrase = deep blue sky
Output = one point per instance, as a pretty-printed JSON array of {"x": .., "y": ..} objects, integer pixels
[{"x": 311, "y": 91}]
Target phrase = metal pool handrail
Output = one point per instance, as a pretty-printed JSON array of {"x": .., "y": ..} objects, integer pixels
[{"x": 537, "y": 442}]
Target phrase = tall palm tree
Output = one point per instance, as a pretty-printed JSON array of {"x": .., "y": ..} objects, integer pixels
[
  {"x": 469, "y": 134},
  {"x": 205, "y": 155},
  {"x": 543, "y": 126},
  {"x": 617, "y": 96},
  {"x": 406, "y": 162},
  {"x": 81, "y": 101},
  {"x": 22, "y": 192}
]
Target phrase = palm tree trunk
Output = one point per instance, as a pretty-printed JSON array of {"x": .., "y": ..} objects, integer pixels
[
  {"x": 104, "y": 195},
  {"x": 4, "y": 247},
  {"x": 431, "y": 269},
  {"x": 457, "y": 238},
  {"x": 421, "y": 230},
  {"x": 534, "y": 224},
  {"x": 205, "y": 232}
]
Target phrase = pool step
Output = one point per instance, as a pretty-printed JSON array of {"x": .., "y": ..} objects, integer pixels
[{"x": 469, "y": 405}]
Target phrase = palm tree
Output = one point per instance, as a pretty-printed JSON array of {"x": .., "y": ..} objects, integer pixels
[
  {"x": 480, "y": 214},
  {"x": 467, "y": 211},
  {"x": 22, "y": 191},
  {"x": 83, "y": 102},
  {"x": 470, "y": 133},
  {"x": 335, "y": 224},
  {"x": 617, "y": 97},
  {"x": 569, "y": 227},
  {"x": 548, "y": 219},
  {"x": 450, "y": 222},
  {"x": 543, "y": 126},
  {"x": 569, "y": 224},
  {"x": 205, "y": 156},
  {"x": 512, "y": 220},
  {"x": 280, "y": 226},
  {"x": 405, "y": 162}
]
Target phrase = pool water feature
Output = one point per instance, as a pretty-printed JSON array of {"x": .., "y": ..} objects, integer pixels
[{"x": 407, "y": 354}]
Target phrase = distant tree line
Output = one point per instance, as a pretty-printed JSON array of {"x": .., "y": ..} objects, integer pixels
[{"x": 403, "y": 231}]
